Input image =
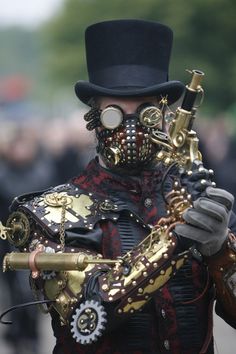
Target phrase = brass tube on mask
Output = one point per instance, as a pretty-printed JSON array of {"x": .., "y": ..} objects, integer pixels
[{"x": 113, "y": 155}]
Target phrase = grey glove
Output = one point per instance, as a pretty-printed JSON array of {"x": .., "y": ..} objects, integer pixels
[{"x": 207, "y": 222}]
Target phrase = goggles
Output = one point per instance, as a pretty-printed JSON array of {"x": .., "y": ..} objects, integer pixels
[{"x": 149, "y": 116}]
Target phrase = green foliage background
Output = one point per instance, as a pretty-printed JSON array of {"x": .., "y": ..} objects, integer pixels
[
  {"x": 53, "y": 56},
  {"x": 204, "y": 38}
]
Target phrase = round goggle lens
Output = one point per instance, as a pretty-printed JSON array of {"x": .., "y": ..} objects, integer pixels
[{"x": 111, "y": 117}]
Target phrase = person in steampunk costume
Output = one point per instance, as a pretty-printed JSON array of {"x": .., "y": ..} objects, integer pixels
[{"x": 136, "y": 287}]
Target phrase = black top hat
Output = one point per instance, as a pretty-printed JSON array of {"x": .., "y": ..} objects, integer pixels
[{"x": 128, "y": 58}]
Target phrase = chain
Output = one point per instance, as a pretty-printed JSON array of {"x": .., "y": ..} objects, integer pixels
[{"x": 62, "y": 224}]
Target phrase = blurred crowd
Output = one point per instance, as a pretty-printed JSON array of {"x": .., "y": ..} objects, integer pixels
[
  {"x": 34, "y": 155},
  {"x": 37, "y": 154}
]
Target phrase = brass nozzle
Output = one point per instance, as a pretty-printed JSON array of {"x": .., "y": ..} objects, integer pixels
[{"x": 195, "y": 84}]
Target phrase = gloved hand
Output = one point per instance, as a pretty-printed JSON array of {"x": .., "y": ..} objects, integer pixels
[
  {"x": 197, "y": 180},
  {"x": 207, "y": 222}
]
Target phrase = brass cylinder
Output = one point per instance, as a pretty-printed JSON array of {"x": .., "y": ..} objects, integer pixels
[
  {"x": 46, "y": 261},
  {"x": 195, "y": 83},
  {"x": 52, "y": 261}
]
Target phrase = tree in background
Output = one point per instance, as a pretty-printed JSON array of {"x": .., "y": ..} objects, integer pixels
[{"x": 204, "y": 38}]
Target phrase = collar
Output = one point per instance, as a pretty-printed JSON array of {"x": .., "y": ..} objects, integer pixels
[{"x": 100, "y": 180}]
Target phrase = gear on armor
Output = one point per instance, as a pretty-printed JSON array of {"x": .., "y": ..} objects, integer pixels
[
  {"x": 19, "y": 227},
  {"x": 88, "y": 322}
]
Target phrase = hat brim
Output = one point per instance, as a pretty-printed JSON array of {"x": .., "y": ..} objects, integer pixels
[{"x": 172, "y": 89}]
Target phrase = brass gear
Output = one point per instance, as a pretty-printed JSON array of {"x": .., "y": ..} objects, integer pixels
[
  {"x": 18, "y": 229},
  {"x": 88, "y": 322}
]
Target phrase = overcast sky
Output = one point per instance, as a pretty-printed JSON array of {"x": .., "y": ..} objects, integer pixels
[{"x": 27, "y": 13}]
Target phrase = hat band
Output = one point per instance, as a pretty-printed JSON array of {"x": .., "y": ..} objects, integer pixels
[{"x": 128, "y": 76}]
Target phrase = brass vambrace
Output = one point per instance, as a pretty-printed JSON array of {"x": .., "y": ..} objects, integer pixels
[{"x": 222, "y": 268}]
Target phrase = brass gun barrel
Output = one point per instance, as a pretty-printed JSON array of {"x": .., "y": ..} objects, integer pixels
[
  {"x": 192, "y": 90},
  {"x": 42, "y": 261}
]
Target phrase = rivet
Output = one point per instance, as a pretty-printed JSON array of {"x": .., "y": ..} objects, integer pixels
[{"x": 105, "y": 287}]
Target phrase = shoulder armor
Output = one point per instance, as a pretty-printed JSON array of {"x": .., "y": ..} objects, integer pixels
[{"x": 82, "y": 210}]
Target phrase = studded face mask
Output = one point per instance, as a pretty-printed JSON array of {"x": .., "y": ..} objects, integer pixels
[{"x": 124, "y": 139}]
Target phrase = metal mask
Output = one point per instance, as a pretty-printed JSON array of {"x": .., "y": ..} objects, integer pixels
[{"x": 124, "y": 139}]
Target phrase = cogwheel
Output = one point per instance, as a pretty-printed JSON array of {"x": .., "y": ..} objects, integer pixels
[
  {"x": 88, "y": 322},
  {"x": 19, "y": 227},
  {"x": 48, "y": 274}
]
